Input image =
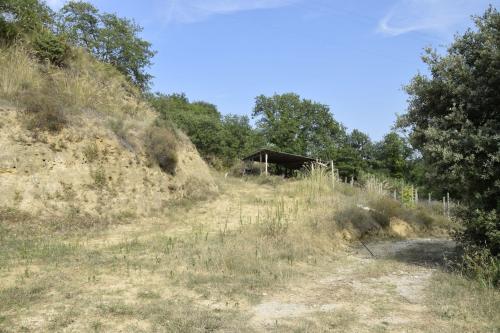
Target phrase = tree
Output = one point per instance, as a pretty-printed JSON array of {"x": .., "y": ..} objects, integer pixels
[
  {"x": 23, "y": 17},
  {"x": 80, "y": 22},
  {"x": 454, "y": 120},
  {"x": 391, "y": 155},
  {"x": 238, "y": 138},
  {"x": 201, "y": 121},
  {"x": 299, "y": 126},
  {"x": 120, "y": 45},
  {"x": 109, "y": 38}
]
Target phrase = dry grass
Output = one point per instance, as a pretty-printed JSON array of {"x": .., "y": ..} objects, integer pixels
[
  {"x": 190, "y": 271},
  {"x": 57, "y": 97},
  {"x": 464, "y": 304}
]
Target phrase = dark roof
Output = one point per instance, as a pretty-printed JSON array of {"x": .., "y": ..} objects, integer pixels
[{"x": 290, "y": 161}]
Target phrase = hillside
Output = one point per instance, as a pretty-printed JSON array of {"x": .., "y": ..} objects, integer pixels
[{"x": 95, "y": 163}]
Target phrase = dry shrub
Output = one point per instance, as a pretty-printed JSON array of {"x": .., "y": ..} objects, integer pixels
[
  {"x": 84, "y": 84},
  {"x": 44, "y": 110},
  {"x": 358, "y": 219},
  {"x": 91, "y": 152},
  {"x": 161, "y": 146},
  {"x": 387, "y": 206},
  {"x": 18, "y": 73}
]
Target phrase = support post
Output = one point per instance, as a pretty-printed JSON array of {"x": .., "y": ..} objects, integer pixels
[
  {"x": 266, "y": 165},
  {"x": 260, "y": 163},
  {"x": 430, "y": 198}
]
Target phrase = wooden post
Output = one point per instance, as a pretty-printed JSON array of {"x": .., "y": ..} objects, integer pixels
[
  {"x": 260, "y": 163},
  {"x": 448, "y": 204},
  {"x": 266, "y": 165},
  {"x": 352, "y": 181},
  {"x": 333, "y": 175},
  {"x": 444, "y": 206},
  {"x": 395, "y": 195},
  {"x": 430, "y": 198},
  {"x": 416, "y": 196}
]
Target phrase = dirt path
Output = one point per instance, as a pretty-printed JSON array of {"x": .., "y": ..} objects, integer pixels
[
  {"x": 234, "y": 205},
  {"x": 363, "y": 294}
]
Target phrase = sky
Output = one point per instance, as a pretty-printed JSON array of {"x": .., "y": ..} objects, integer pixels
[{"x": 354, "y": 56}]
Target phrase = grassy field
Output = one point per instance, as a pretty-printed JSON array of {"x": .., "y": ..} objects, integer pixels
[{"x": 262, "y": 255}]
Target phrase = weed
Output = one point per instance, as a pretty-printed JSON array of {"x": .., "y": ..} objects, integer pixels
[
  {"x": 99, "y": 178},
  {"x": 148, "y": 294},
  {"x": 91, "y": 152}
]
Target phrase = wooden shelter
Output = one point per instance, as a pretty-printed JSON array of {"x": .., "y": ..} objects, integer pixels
[{"x": 286, "y": 160}]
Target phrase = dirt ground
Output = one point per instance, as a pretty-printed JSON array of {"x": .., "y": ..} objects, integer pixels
[{"x": 384, "y": 292}]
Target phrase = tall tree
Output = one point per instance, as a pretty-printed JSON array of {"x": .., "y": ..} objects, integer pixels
[
  {"x": 298, "y": 126},
  {"x": 454, "y": 120},
  {"x": 238, "y": 138},
  {"x": 109, "y": 38},
  {"x": 391, "y": 155},
  {"x": 80, "y": 21},
  {"x": 120, "y": 45}
]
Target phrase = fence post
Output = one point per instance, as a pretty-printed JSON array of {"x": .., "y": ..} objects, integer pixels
[
  {"x": 430, "y": 199},
  {"x": 333, "y": 175},
  {"x": 448, "y": 204},
  {"x": 266, "y": 165},
  {"x": 395, "y": 195},
  {"x": 416, "y": 196},
  {"x": 444, "y": 206}
]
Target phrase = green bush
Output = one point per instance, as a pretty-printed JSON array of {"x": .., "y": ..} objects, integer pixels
[
  {"x": 51, "y": 48},
  {"x": 480, "y": 228},
  {"x": 479, "y": 264},
  {"x": 161, "y": 145}
]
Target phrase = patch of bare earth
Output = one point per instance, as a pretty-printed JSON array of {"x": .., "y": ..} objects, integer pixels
[{"x": 362, "y": 293}]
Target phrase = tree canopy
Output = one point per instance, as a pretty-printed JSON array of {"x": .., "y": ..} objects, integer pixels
[
  {"x": 109, "y": 38},
  {"x": 220, "y": 140},
  {"x": 454, "y": 120},
  {"x": 300, "y": 126}
]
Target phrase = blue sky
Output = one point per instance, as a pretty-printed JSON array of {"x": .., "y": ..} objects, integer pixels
[{"x": 354, "y": 56}]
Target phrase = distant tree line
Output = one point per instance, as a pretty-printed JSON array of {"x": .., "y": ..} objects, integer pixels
[{"x": 286, "y": 123}]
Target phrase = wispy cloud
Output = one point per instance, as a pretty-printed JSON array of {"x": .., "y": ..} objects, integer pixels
[
  {"x": 440, "y": 16},
  {"x": 188, "y": 11}
]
